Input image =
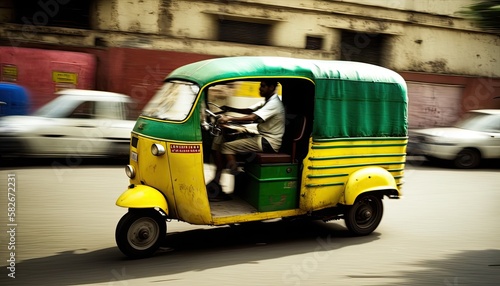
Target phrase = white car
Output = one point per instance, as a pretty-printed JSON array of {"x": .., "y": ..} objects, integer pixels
[
  {"x": 77, "y": 123},
  {"x": 473, "y": 138}
]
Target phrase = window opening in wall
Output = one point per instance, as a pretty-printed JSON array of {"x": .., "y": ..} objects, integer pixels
[
  {"x": 362, "y": 47},
  {"x": 314, "y": 43},
  {"x": 244, "y": 32},
  {"x": 67, "y": 14}
]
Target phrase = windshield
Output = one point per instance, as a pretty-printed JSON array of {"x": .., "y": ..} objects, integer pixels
[
  {"x": 58, "y": 108},
  {"x": 479, "y": 122},
  {"x": 173, "y": 101}
]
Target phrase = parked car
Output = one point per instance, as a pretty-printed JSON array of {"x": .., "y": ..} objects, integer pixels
[
  {"x": 77, "y": 123},
  {"x": 473, "y": 138}
]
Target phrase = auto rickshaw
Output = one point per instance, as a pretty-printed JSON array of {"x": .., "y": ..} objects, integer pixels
[{"x": 343, "y": 151}]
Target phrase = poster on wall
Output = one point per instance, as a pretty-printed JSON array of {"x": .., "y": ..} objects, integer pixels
[
  {"x": 64, "y": 80},
  {"x": 9, "y": 73}
]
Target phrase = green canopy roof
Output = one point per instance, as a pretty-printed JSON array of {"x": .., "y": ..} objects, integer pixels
[
  {"x": 213, "y": 70},
  {"x": 351, "y": 99}
]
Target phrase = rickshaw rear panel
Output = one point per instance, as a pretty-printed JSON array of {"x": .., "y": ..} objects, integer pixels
[{"x": 331, "y": 162}]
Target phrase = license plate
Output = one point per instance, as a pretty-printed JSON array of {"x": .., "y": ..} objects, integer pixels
[{"x": 133, "y": 156}]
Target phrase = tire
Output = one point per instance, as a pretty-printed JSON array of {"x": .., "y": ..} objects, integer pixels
[
  {"x": 140, "y": 233},
  {"x": 467, "y": 159},
  {"x": 364, "y": 216}
]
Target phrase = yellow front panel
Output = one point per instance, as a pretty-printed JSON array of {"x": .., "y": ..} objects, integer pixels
[
  {"x": 188, "y": 182},
  {"x": 178, "y": 174},
  {"x": 330, "y": 162},
  {"x": 153, "y": 170}
]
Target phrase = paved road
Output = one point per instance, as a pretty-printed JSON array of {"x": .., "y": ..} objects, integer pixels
[{"x": 444, "y": 232}]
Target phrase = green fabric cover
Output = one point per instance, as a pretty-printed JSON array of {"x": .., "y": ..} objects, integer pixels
[
  {"x": 351, "y": 99},
  {"x": 346, "y": 108}
]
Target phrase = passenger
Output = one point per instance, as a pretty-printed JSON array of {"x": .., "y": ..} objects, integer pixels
[{"x": 270, "y": 116}]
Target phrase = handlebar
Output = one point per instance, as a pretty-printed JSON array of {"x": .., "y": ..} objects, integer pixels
[{"x": 212, "y": 114}]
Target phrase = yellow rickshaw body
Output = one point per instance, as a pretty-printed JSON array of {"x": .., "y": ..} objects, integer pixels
[
  {"x": 338, "y": 170},
  {"x": 341, "y": 155}
]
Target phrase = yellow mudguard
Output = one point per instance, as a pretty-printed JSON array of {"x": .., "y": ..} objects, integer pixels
[
  {"x": 141, "y": 196},
  {"x": 367, "y": 180}
]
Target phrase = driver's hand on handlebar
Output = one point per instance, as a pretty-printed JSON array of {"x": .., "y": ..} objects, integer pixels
[{"x": 224, "y": 119}]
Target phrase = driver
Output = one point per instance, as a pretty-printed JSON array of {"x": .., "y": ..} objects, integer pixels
[{"x": 270, "y": 116}]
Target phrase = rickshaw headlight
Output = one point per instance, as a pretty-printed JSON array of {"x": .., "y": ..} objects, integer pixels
[
  {"x": 129, "y": 170},
  {"x": 157, "y": 149}
]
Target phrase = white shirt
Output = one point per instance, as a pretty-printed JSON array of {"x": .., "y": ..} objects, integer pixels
[{"x": 272, "y": 112}]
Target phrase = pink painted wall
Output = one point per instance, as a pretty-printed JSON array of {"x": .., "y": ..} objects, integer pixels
[{"x": 35, "y": 67}]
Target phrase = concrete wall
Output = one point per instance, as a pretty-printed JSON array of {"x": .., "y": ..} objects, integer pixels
[
  {"x": 422, "y": 40},
  {"x": 446, "y": 51},
  {"x": 137, "y": 16},
  {"x": 448, "y": 8},
  {"x": 425, "y": 36}
]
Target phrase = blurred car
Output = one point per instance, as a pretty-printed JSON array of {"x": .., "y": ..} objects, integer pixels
[
  {"x": 473, "y": 138},
  {"x": 77, "y": 123}
]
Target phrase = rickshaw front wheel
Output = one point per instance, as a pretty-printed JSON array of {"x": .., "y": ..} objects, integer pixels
[
  {"x": 364, "y": 216},
  {"x": 139, "y": 233}
]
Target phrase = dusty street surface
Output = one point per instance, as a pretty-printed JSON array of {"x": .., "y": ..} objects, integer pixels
[{"x": 443, "y": 232}]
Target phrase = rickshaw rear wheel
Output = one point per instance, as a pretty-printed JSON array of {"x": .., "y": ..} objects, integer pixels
[
  {"x": 140, "y": 233},
  {"x": 364, "y": 216}
]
